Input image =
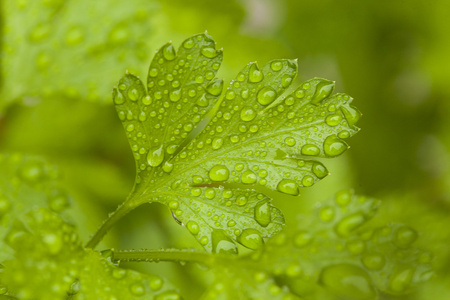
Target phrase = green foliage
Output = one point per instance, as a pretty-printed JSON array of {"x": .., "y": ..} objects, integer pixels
[
  {"x": 209, "y": 165},
  {"x": 216, "y": 158}
]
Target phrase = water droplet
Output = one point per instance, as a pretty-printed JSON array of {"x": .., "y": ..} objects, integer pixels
[
  {"x": 188, "y": 44},
  {"x": 356, "y": 247},
  {"x": 57, "y": 203},
  {"x": 217, "y": 143},
  {"x": 137, "y": 289},
  {"x": 351, "y": 114},
  {"x": 133, "y": 94},
  {"x": 302, "y": 238},
  {"x": 221, "y": 243},
  {"x": 209, "y": 52},
  {"x": 262, "y": 213},
  {"x": 333, "y": 120},
  {"x": 210, "y": 193},
  {"x": 153, "y": 72},
  {"x": 250, "y": 238},
  {"x": 290, "y": 141},
  {"x": 288, "y": 186},
  {"x": 247, "y": 114},
  {"x": 266, "y": 95},
  {"x": 319, "y": 170},
  {"x": 286, "y": 80},
  {"x": 219, "y": 173},
  {"x": 169, "y": 295},
  {"x": 344, "y": 134},
  {"x": 348, "y": 281},
  {"x": 248, "y": 177},
  {"x": 169, "y": 52},
  {"x": 193, "y": 227},
  {"x": 155, "y": 156},
  {"x": 175, "y": 95},
  {"x": 327, "y": 214},
  {"x": 147, "y": 100},
  {"x": 310, "y": 149},
  {"x": 343, "y": 198},
  {"x": 276, "y": 65},
  {"x": 404, "y": 237},
  {"x": 31, "y": 171},
  {"x": 215, "y": 87},
  {"x": 156, "y": 283},
  {"x": 334, "y": 146},
  {"x": 373, "y": 261},
  {"x": 53, "y": 243},
  {"x": 254, "y": 74},
  {"x": 307, "y": 181},
  {"x": 349, "y": 223},
  {"x": 119, "y": 273},
  {"x": 167, "y": 167},
  {"x": 323, "y": 89},
  {"x": 401, "y": 280}
]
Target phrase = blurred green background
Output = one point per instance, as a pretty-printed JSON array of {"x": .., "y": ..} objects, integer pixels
[{"x": 60, "y": 59}]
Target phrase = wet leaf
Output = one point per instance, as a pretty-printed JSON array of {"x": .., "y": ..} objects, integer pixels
[{"x": 210, "y": 155}]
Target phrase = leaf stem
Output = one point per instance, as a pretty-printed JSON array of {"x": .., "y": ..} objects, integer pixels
[
  {"x": 113, "y": 217},
  {"x": 174, "y": 255}
]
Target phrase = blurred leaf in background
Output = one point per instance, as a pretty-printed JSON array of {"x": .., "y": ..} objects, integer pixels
[{"x": 60, "y": 59}]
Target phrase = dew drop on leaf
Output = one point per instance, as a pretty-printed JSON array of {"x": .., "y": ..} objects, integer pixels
[
  {"x": 262, "y": 213},
  {"x": 349, "y": 223},
  {"x": 209, "y": 52},
  {"x": 254, "y": 74},
  {"x": 404, "y": 237},
  {"x": 248, "y": 177},
  {"x": 333, "y": 146},
  {"x": 219, "y": 173},
  {"x": 310, "y": 149},
  {"x": 247, "y": 114},
  {"x": 319, "y": 170},
  {"x": 155, "y": 156},
  {"x": 351, "y": 114},
  {"x": 221, "y": 243},
  {"x": 215, "y": 87},
  {"x": 288, "y": 186},
  {"x": 193, "y": 227},
  {"x": 400, "y": 280},
  {"x": 302, "y": 238},
  {"x": 276, "y": 66},
  {"x": 266, "y": 95},
  {"x": 250, "y": 238},
  {"x": 137, "y": 289},
  {"x": 323, "y": 89},
  {"x": 373, "y": 261},
  {"x": 333, "y": 120},
  {"x": 169, "y": 52},
  {"x": 349, "y": 281}
]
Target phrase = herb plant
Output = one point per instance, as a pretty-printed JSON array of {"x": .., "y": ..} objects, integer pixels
[{"x": 216, "y": 156}]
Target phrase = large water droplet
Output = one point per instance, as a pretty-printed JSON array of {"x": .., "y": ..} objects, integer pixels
[
  {"x": 175, "y": 95},
  {"x": 133, "y": 94},
  {"x": 401, "y": 280},
  {"x": 31, "y": 171},
  {"x": 319, "y": 170},
  {"x": 262, "y": 213},
  {"x": 254, "y": 74},
  {"x": 302, "y": 238},
  {"x": 404, "y": 237},
  {"x": 288, "y": 186},
  {"x": 247, "y": 114},
  {"x": 343, "y": 198},
  {"x": 193, "y": 227},
  {"x": 169, "y": 52},
  {"x": 215, "y": 87},
  {"x": 156, "y": 283},
  {"x": 219, "y": 173},
  {"x": 266, "y": 95},
  {"x": 351, "y": 114},
  {"x": 348, "y": 281},
  {"x": 334, "y": 146},
  {"x": 349, "y": 223},
  {"x": 276, "y": 65},
  {"x": 250, "y": 238},
  {"x": 248, "y": 177},
  {"x": 221, "y": 243},
  {"x": 373, "y": 261},
  {"x": 217, "y": 143},
  {"x": 323, "y": 89},
  {"x": 333, "y": 120},
  {"x": 209, "y": 52},
  {"x": 310, "y": 149},
  {"x": 155, "y": 156},
  {"x": 137, "y": 289}
]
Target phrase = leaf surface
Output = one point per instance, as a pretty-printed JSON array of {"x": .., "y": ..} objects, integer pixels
[{"x": 210, "y": 155}]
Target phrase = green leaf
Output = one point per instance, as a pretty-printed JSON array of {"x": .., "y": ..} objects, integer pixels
[
  {"x": 339, "y": 252},
  {"x": 40, "y": 250},
  {"x": 48, "y": 50},
  {"x": 210, "y": 155}
]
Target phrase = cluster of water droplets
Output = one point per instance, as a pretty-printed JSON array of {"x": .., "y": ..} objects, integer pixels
[
  {"x": 57, "y": 39},
  {"x": 348, "y": 262}
]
